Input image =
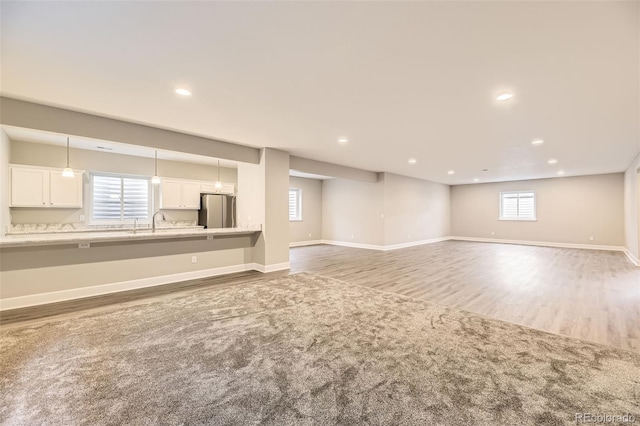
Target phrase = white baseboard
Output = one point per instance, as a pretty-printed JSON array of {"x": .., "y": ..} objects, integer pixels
[
  {"x": 541, "y": 243},
  {"x": 271, "y": 268},
  {"x": 631, "y": 257},
  {"x": 99, "y": 290},
  {"x": 415, "y": 243},
  {"x": 306, "y": 243},
  {"x": 384, "y": 248},
  {"x": 353, "y": 245}
]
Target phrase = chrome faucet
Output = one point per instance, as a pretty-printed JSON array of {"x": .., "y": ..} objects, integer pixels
[
  {"x": 135, "y": 224},
  {"x": 153, "y": 220}
]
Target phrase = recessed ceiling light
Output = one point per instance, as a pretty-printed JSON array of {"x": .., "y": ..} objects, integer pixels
[
  {"x": 412, "y": 161},
  {"x": 504, "y": 96},
  {"x": 537, "y": 142},
  {"x": 183, "y": 92},
  {"x": 343, "y": 141},
  {"x": 476, "y": 180},
  {"x": 560, "y": 172},
  {"x": 552, "y": 161},
  {"x": 485, "y": 170},
  {"x": 451, "y": 172}
]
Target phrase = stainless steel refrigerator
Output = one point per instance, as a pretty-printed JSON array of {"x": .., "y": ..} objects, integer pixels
[{"x": 217, "y": 211}]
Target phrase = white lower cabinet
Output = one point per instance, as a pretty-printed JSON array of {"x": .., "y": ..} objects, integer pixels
[{"x": 44, "y": 188}]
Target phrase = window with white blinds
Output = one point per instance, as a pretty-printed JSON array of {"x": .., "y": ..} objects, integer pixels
[
  {"x": 119, "y": 198},
  {"x": 295, "y": 204},
  {"x": 518, "y": 205}
]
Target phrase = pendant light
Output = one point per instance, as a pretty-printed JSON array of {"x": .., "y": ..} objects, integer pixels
[
  {"x": 218, "y": 183},
  {"x": 156, "y": 179},
  {"x": 68, "y": 171}
]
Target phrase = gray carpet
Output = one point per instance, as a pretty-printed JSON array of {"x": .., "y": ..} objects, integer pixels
[{"x": 304, "y": 350}]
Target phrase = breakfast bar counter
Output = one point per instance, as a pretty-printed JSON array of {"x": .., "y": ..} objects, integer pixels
[{"x": 83, "y": 238}]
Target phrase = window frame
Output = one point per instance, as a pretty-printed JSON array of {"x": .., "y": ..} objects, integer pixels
[
  {"x": 519, "y": 219},
  {"x": 298, "y": 217},
  {"x": 122, "y": 221}
]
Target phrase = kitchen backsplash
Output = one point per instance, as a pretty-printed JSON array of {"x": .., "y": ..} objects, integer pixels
[{"x": 46, "y": 228}]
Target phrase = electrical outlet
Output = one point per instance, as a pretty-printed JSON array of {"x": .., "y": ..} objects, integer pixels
[
  {"x": 81, "y": 218},
  {"x": 309, "y": 234},
  {"x": 84, "y": 245},
  {"x": 352, "y": 236},
  {"x": 194, "y": 259},
  {"x": 493, "y": 233},
  {"x": 209, "y": 237},
  {"x": 590, "y": 238}
]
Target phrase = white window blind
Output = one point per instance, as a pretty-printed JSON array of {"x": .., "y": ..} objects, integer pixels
[
  {"x": 518, "y": 205},
  {"x": 295, "y": 204},
  {"x": 119, "y": 198}
]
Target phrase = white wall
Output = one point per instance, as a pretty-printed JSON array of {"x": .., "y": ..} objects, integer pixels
[
  {"x": 263, "y": 191},
  {"x": 569, "y": 210},
  {"x": 66, "y": 122},
  {"x": 56, "y": 156},
  {"x": 276, "y": 230},
  {"x": 5, "y": 153},
  {"x": 352, "y": 211},
  {"x": 328, "y": 169},
  {"x": 394, "y": 210},
  {"x": 631, "y": 208},
  {"x": 414, "y": 209},
  {"x": 310, "y": 227}
]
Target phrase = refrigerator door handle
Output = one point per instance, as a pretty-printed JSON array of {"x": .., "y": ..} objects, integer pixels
[{"x": 233, "y": 212}]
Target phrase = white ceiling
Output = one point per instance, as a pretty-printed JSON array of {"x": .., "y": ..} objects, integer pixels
[
  {"x": 75, "y": 142},
  {"x": 399, "y": 79}
]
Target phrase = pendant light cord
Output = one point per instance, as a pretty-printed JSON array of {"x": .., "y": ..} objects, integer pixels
[{"x": 67, "y": 151}]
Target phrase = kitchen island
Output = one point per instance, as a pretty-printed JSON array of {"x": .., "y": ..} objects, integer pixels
[{"x": 42, "y": 268}]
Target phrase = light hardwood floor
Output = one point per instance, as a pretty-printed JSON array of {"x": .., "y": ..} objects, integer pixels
[{"x": 588, "y": 294}]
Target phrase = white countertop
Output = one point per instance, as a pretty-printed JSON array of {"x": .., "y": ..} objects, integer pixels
[{"x": 26, "y": 240}]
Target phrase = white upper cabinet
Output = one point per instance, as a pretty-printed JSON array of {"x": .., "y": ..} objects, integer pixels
[
  {"x": 210, "y": 188},
  {"x": 65, "y": 191},
  {"x": 170, "y": 194},
  {"x": 29, "y": 187},
  {"x": 40, "y": 187},
  {"x": 176, "y": 194},
  {"x": 191, "y": 195}
]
